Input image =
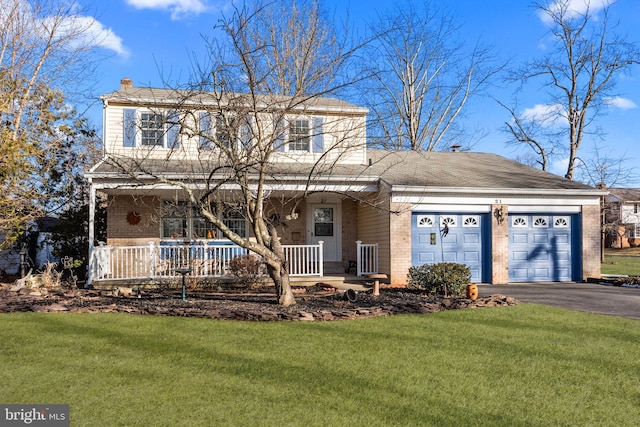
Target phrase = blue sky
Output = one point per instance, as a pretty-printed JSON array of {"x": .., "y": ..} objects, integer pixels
[{"x": 153, "y": 40}]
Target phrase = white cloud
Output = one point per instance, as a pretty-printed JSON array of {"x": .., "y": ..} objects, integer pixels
[
  {"x": 178, "y": 8},
  {"x": 548, "y": 115},
  {"x": 574, "y": 7},
  {"x": 622, "y": 103},
  {"x": 559, "y": 167},
  {"x": 86, "y": 31}
]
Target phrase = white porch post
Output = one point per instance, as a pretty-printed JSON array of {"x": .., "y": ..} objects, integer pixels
[
  {"x": 321, "y": 258},
  {"x": 152, "y": 257},
  {"x": 359, "y": 258},
  {"x": 92, "y": 233}
]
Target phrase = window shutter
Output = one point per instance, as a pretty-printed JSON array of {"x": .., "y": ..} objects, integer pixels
[
  {"x": 129, "y": 127},
  {"x": 246, "y": 132},
  {"x": 317, "y": 136},
  {"x": 205, "y": 129},
  {"x": 173, "y": 129},
  {"x": 278, "y": 137}
]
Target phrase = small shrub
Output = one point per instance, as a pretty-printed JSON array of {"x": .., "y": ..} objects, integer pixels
[
  {"x": 247, "y": 268},
  {"x": 445, "y": 278}
]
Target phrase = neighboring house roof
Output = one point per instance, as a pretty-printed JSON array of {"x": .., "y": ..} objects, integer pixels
[
  {"x": 626, "y": 195},
  {"x": 151, "y": 97},
  {"x": 403, "y": 171}
]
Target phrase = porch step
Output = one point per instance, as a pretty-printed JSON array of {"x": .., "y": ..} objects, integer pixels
[{"x": 331, "y": 267}]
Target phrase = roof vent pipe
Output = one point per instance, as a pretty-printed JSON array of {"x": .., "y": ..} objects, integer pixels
[{"x": 370, "y": 161}]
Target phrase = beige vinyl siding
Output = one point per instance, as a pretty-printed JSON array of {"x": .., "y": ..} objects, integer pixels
[
  {"x": 344, "y": 139},
  {"x": 373, "y": 227}
]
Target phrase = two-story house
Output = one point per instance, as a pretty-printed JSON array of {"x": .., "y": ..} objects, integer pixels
[
  {"x": 622, "y": 217},
  {"x": 384, "y": 211}
]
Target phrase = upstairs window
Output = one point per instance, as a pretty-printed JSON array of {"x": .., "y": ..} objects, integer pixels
[
  {"x": 299, "y": 135},
  {"x": 224, "y": 130},
  {"x": 152, "y": 129},
  {"x": 217, "y": 130}
]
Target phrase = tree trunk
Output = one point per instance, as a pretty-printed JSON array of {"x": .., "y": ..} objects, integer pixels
[{"x": 280, "y": 277}]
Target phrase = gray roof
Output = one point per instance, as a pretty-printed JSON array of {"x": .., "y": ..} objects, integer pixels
[
  {"x": 148, "y": 96},
  {"x": 628, "y": 195},
  {"x": 409, "y": 169},
  {"x": 464, "y": 170}
]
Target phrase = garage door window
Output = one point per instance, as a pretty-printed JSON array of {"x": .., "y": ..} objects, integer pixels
[
  {"x": 470, "y": 221},
  {"x": 540, "y": 222},
  {"x": 519, "y": 221},
  {"x": 561, "y": 222},
  {"x": 425, "y": 221},
  {"x": 449, "y": 221}
]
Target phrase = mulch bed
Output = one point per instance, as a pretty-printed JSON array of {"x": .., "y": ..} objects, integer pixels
[{"x": 313, "y": 304}]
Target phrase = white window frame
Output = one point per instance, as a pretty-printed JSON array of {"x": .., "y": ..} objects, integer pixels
[
  {"x": 163, "y": 128},
  {"x": 289, "y": 133},
  {"x": 216, "y": 121}
]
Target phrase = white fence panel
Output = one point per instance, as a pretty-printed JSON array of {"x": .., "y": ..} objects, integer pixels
[
  {"x": 367, "y": 262},
  {"x": 304, "y": 260},
  {"x": 207, "y": 259}
]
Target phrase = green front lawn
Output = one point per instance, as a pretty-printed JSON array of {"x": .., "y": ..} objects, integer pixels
[
  {"x": 621, "y": 261},
  {"x": 629, "y": 265},
  {"x": 522, "y": 365}
]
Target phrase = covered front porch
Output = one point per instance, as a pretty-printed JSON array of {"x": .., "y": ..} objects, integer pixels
[{"x": 212, "y": 259}]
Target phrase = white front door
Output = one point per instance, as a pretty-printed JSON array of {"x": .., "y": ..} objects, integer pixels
[{"x": 324, "y": 223}]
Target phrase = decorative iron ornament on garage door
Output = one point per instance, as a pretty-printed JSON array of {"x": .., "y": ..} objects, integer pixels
[
  {"x": 449, "y": 238},
  {"x": 541, "y": 247}
]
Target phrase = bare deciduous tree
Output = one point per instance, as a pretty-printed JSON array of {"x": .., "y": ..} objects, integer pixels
[
  {"x": 424, "y": 78},
  {"x": 579, "y": 74},
  {"x": 276, "y": 61}
]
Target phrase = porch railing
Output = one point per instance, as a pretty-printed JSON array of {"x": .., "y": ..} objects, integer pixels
[
  {"x": 206, "y": 259},
  {"x": 367, "y": 262},
  {"x": 304, "y": 260}
]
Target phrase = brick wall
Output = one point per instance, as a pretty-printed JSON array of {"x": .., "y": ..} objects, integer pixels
[
  {"x": 400, "y": 234},
  {"x": 294, "y": 231},
  {"x": 499, "y": 244},
  {"x": 120, "y": 232},
  {"x": 590, "y": 241},
  {"x": 373, "y": 227}
]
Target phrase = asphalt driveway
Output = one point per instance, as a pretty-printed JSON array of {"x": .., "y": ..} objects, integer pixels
[{"x": 589, "y": 297}]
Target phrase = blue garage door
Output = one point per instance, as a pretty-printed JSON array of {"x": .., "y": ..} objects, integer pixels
[
  {"x": 449, "y": 238},
  {"x": 541, "y": 247}
]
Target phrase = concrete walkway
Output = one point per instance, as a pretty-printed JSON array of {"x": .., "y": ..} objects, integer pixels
[{"x": 589, "y": 297}]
